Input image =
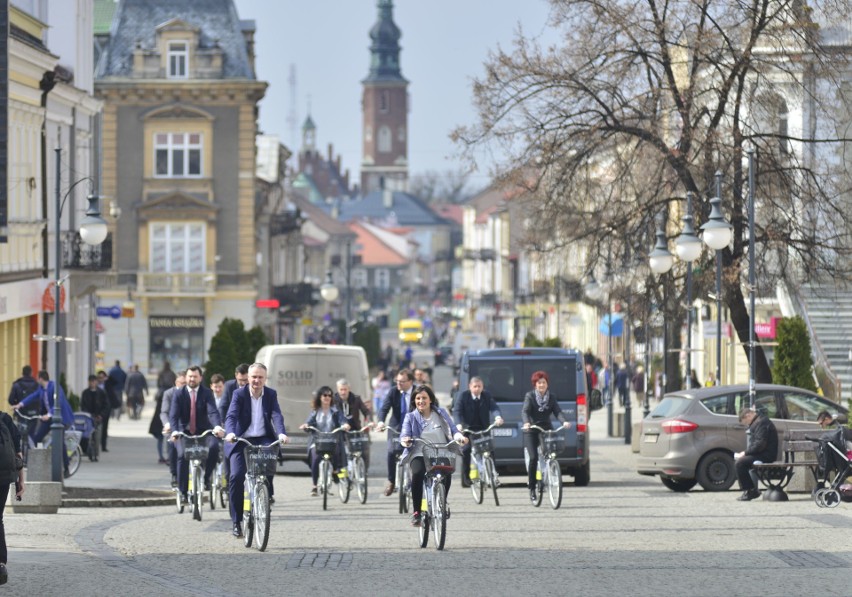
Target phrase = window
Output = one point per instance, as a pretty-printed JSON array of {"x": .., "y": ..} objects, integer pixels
[
  {"x": 359, "y": 278},
  {"x": 178, "y": 248},
  {"x": 384, "y": 101},
  {"x": 400, "y": 134},
  {"x": 764, "y": 403},
  {"x": 385, "y": 139},
  {"x": 806, "y": 407},
  {"x": 382, "y": 279},
  {"x": 178, "y": 57},
  {"x": 177, "y": 155},
  {"x": 717, "y": 404}
]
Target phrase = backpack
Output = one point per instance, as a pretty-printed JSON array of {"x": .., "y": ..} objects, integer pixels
[{"x": 8, "y": 457}]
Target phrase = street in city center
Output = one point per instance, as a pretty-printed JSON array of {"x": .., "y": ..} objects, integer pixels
[{"x": 623, "y": 534}]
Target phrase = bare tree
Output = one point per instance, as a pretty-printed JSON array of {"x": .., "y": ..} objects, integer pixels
[
  {"x": 645, "y": 100},
  {"x": 449, "y": 186}
]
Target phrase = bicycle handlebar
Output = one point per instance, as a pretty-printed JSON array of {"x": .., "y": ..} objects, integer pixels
[
  {"x": 182, "y": 434},
  {"x": 21, "y": 415},
  {"x": 483, "y": 432},
  {"x": 318, "y": 431},
  {"x": 434, "y": 445},
  {"x": 365, "y": 428},
  {"x": 548, "y": 431},
  {"x": 248, "y": 443}
]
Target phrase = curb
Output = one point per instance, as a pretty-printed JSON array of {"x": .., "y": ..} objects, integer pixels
[{"x": 118, "y": 502}]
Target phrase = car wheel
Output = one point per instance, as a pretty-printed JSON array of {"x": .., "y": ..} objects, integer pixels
[
  {"x": 716, "y": 471},
  {"x": 581, "y": 475},
  {"x": 678, "y": 485}
]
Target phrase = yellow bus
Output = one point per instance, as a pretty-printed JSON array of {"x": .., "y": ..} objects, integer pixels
[{"x": 410, "y": 331}]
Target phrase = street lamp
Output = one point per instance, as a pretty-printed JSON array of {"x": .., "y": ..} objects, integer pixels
[
  {"x": 688, "y": 248},
  {"x": 661, "y": 261},
  {"x": 751, "y": 277},
  {"x": 595, "y": 290},
  {"x": 331, "y": 293},
  {"x": 93, "y": 231},
  {"x": 717, "y": 235}
]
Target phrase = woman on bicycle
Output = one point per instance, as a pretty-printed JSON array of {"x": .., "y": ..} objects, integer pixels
[
  {"x": 539, "y": 405},
  {"x": 426, "y": 420},
  {"x": 325, "y": 418}
]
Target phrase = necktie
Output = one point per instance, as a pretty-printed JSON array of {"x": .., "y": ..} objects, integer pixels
[
  {"x": 192, "y": 412},
  {"x": 403, "y": 405},
  {"x": 476, "y": 397}
]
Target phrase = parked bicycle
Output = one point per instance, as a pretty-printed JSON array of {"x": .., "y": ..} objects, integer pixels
[
  {"x": 325, "y": 444},
  {"x": 549, "y": 474},
  {"x": 483, "y": 473},
  {"x": 261, "y": 462},
  {"x": 440, "y": 461},
  {"x": 195, "y": 452},
  {"x": 355, "y": 473},
  {"x": 403, "y": 474}
]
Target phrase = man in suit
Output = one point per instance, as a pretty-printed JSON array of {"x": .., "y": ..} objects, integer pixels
[
  {"x": 232, "y": 385},
  {"x": 254, "y": 415},
  {"x": 165, "y": 413},
  {"x": 397, "y": 404},
  {"x": 473, "y": 410},
  {"x": 193, "y": 411}
]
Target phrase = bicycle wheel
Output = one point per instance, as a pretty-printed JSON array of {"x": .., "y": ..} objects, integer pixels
[
  {"x": 75, "y": 456},
  {"x": 425, "y": 519},
  {"x": 222, "y": 487},
  {"x": 359, "y": 472},
  {"x": 554, "y": 483},
  {"x": 539, "y": 486},
  {"x": 261, "y": 515},
  {"x": 405, "y": 490},
  {"x": 477, "y": 487},
  {"x": 491, "y": 475},
  {"x": 439, "y": 511},
  {"x": 197, "y": 492},
  {"x": 248, "y": 528},
  {"x": 324, "y": 482},
  {"x": 180, "y": 504},
  {"x": 344, "y": 487}
]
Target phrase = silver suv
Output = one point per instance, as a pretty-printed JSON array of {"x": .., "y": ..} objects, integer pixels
[{"x": 691, "y": 436}]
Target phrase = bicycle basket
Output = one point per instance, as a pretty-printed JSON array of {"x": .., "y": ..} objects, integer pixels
[
  {"x": 262, "y": 461},
  {"x": 325, "y": 442},
  {"x": 194, "y": 449},
  {"x": 483, "y": 443},
  {"x": 72, "y": 439},
  {"x": 357, "y": 441},
  {"x": 554, "y": 442},
  {"x": 439, "y": 460}
]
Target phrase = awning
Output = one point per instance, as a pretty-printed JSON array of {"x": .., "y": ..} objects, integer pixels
[{"x": 617, "y": 325}]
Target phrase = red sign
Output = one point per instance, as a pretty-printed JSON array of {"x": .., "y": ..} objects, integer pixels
[
  {"x": 766, "y": 330},
  {"x": 267, "y": 303},
  {"x": 48, "y": 299}
]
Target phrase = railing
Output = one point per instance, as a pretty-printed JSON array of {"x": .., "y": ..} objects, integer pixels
[
  {"x": 81, "y": 256},
  {"x": 177, "y": 283},
  {"x": 827, "y": 379}
]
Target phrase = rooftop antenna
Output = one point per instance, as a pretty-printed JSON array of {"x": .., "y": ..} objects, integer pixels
[{"x": 292, "y": 114}]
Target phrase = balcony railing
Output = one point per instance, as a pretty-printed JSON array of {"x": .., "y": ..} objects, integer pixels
[
  {"x": 78, "y": 255},
  {"x": 177, "y": 284}
]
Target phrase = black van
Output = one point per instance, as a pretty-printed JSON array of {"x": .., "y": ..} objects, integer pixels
[{"x": 506, "y": 373}]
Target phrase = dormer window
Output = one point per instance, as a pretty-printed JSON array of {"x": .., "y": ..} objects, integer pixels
[{"x": 178, "y": 59}]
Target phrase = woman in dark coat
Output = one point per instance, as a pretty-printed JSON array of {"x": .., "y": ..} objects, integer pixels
[
  {"x": 539, "y": 405},
  {"x": 156, "y": 426}
]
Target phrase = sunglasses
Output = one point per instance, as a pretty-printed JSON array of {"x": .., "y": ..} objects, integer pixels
[{"x": 327, "y": 394}]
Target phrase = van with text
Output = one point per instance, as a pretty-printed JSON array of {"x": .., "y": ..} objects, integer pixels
[{"x": 295, "y": 371}]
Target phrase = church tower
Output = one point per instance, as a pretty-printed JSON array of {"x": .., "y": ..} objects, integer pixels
[{"x": 384, "y": 106}]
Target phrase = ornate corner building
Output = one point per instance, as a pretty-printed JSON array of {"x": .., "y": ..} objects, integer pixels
[{"x": 181, "y": 97}]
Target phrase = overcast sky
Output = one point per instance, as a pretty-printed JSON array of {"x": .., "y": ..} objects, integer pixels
[{"x": 444, "y": 44}]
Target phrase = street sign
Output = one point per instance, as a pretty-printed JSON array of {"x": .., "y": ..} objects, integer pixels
[
  {"x": 128, "y": 309},
  {"x": 102, "y": 311},
  {"x": 114, "y": 311}
]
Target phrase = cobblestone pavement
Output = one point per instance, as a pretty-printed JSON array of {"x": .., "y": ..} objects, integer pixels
[{"x": 623, "y": 534}]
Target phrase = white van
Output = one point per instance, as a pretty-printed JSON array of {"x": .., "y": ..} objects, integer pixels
[
  {"x": 297, "y": 370},
  {"x": 468, "y": 341}
]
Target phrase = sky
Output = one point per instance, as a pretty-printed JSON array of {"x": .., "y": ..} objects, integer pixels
[{"x": 444, "y": 45}]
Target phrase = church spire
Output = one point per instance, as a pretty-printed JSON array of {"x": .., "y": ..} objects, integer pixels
[{"x": 384, "y": 51}]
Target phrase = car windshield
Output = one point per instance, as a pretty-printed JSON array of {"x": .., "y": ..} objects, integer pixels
[
  {"x": 507, "y": 380},
  {"x": 670, "y": 406}
]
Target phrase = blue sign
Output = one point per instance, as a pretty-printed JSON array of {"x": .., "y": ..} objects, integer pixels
[{"x": 114, "y": 312}]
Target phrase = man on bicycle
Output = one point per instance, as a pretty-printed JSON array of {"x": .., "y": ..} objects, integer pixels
[
  {"x": 396, "y": 403},
  {"x": 44, "y": 397},
  {"x": 193, "y": 411},
  {"x": 254, "y": 415},
  {"x": 352, "y": 407},
  {"x": 473, "y": 410}
]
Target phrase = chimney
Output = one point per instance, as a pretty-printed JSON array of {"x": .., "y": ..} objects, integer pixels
[{"x": 330, "y": 154}]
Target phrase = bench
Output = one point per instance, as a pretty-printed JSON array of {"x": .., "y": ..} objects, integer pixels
[{"x": 775, "y": 476}]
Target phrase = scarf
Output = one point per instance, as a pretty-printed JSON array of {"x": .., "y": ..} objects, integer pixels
[{"x": 542, "y": 399}]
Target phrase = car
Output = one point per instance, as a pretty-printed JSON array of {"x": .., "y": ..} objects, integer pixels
[
  {"x": 444, "y": 356},
  {"x": 691, "y": 436},
  {"x": 506, "y": 374}
]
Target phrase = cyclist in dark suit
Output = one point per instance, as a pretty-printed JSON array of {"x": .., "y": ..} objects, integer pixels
[
  {"x": 474, "y": 409},
  {"x": 206, "y": 417},
  {"x": 396, "y": 404}
]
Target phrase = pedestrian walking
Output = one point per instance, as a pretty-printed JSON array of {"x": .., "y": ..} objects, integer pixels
[
  {"x": 117, "y": 379},
  {"x": 136, "y": 389},
  {"x": 22, "y": 387},
  {"x": 11, "y": 471},
  {"x": 113, "y": 404}
]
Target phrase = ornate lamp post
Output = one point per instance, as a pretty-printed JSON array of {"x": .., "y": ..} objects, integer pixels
[{"x": 688, "y": 247}]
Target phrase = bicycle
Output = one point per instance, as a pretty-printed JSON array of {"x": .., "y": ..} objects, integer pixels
[
  {"x": 23, "y": 422},
  {"x": 403, "y": 474},
  {"x": 195, "y": 451},
  {"x": 440, "y": 461},
  {"x": 483, "y": 473},
  {"x": 549, "y": 474},
  {"x": 219, "y": 488},
  {"x": 85, "y": 424},
  {"x": 261, "y": 461},
  {"x": 325, "y": 444},
  {"x": 357, "y": 470}
]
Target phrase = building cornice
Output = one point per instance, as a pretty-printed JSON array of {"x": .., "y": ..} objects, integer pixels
[{"x": 138, "y": 91}]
